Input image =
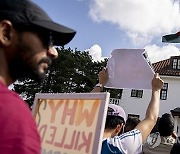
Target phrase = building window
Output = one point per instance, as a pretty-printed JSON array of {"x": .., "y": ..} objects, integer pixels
[
  {"x": 133, "y": 116},
  {"x": 136, "y": 93},
  {"x": 163, "y": 94},
  {"x": 176, "y": 64}
]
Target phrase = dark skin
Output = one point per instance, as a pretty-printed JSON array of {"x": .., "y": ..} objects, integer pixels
[{"x": 24, "y": 52}]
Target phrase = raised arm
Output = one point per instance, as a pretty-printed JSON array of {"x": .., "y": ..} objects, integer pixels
[
  {"x": 152, "y": 112},
  {"x": 103, "y": 78}
]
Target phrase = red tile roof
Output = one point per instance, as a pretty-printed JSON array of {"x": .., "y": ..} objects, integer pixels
[{"x": 164, "y": 67}]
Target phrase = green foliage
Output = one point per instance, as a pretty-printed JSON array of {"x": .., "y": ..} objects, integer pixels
[{"x": 72, "y": 72}]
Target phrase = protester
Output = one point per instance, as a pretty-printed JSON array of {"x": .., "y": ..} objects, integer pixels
[
  {"x": 27, "y": 36},
  {"x": 131, "y": 123},
  {"x": 163, "y": 141},
  {"x": 115, "y": 121},
  {"x": 131, "y": 142}
]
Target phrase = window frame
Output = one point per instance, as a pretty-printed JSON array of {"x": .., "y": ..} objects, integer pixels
[
  {"x": 164, "y": 91},
  {"x": 134, "y": 116},
  {"x": 137, "y": 93},
  {"x": 176, "y": 63}
]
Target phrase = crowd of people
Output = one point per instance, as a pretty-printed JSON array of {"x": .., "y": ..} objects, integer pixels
[
  {"x": 153, "y": 135},
  {"x": 27, "y": 39}
]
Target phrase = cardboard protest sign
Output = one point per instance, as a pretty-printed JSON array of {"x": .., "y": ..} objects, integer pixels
[
  {"x": 71, "y": 123},
  {"x": 129, "y": 68}
]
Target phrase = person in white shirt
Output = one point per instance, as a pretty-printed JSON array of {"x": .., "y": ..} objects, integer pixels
[{"x": 130, "y": 142}]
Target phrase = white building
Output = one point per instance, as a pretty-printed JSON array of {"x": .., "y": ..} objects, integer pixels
[{"x": 135, "y": 101}]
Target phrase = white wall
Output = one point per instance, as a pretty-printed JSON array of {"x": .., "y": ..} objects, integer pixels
[{"x": 133, "y": 105}]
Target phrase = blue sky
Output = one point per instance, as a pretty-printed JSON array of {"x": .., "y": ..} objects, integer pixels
[{"x": 104, "y": 25}]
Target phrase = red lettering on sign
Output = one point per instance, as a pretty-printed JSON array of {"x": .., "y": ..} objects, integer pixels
[
  {"x": 42, "y": 131},
  {"x": 54, "y": 108},
  {"x": 81, "y": 141},
  {"x": 70, "y": 146},
  {"x": 85, "y": 114},
  {"x": 52, "y": 135},
  {"x": 86, "y": 142},
  {"x": 60, "y": 144},
  {"x": 77, "y": 140},
  {"x": 69, "y": 112}
]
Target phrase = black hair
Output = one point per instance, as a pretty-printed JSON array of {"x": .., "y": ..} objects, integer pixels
[
  {"x": 155, "y": 128},
  {"x": 166, "y": 125},
  {"x": 175, "y": 149},
  {"x": 131, "y": 123},
  {"x": 113, "y": 121}
]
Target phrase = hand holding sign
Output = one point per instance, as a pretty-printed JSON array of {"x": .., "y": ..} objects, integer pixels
[{"x": 129, "y": 68}]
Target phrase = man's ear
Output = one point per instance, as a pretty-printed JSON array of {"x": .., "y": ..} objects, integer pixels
[
  {"x": 6, "y": 32},
  {"x": 118, "y": 128}
]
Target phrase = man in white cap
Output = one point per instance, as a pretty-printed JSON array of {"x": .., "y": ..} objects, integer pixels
[
  {"x": 130, "y": 142},
  {"x": 115, "y": 121}
]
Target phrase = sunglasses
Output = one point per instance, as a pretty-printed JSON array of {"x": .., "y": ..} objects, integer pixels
[
  {"x": 46, "y": 38},
  {"x": 44, "y": 35}
]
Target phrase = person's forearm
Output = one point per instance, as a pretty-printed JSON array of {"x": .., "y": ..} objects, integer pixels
[
  {"x": 153, "y": 107},
  {"x": 103, "y": 78},
  {"x": 152, "y": 112}
]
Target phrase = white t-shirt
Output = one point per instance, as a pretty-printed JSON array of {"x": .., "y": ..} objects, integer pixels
[{"x": 127, "y": 143}]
